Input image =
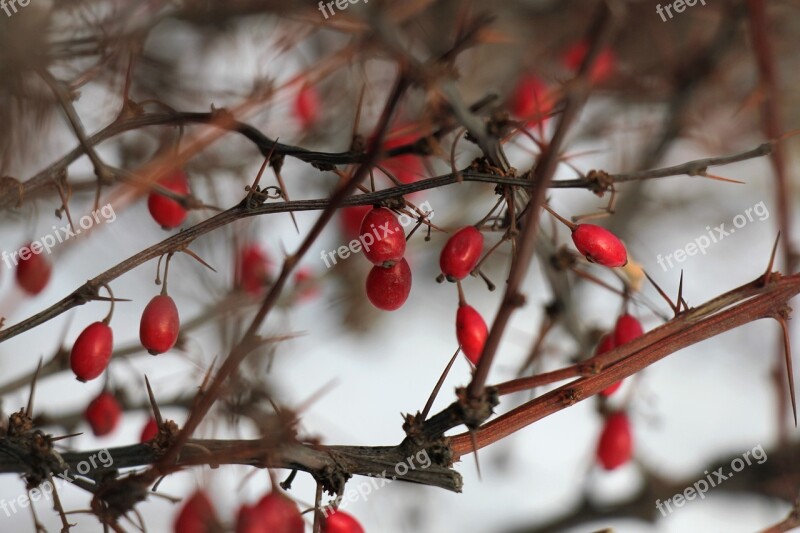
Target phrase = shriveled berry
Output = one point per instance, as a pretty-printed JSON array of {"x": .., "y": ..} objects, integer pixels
[
  {"x": 530, "y": 101},
  {"x": 599, "y": 245},
  {"x": 604, "y": 64},
  {"x": 252, "y": 269},
  {"x": 92, "y": 351},
  {"x": 607, "y": 344},
  {"x": 471, "y": 332},
  {"x": 340, "y": 522},
  {"x": 615, "y": 446},
  {"x": 627, "y": 329},
  {"x": 197, "y": 515},
  {"x": 34, "y": 272},
  {"x": 350, "y": 219},
  {"x": 160, "y": 325},
  {"x": 461, "y": 253},
  {"x": 306, "y": 106},
  {"x": 149, "y": 431},
  {"x": 388, "y": 288},
  {"x": 167, "y": 212},
  {"x": 274, "y": 513},
  {"x": 381, "y": 228},
  {"x": 103, "y": 414}
]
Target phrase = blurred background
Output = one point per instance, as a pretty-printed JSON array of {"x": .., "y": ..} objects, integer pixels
[{"x": 664, "y": 92}]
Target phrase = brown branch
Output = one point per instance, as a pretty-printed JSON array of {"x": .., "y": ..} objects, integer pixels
[{"x": 745, "y": 304}]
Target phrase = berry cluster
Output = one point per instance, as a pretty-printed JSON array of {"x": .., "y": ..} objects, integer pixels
[
  {"x": 458, "y": 259},
  {"x": 389, "y": 282}
]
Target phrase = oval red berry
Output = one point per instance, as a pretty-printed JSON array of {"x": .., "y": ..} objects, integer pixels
[
  {"x": 197, "y": 515},
  {"x": 607, "y": 344},
  {"x": 615, "y": 446},
  {"x": 92, "y": 351},
  {"x": 306, "y": 106},
  {"x": 599, "y": 245},
  {"x": 350, "y": 219},
  {"x": 471, "y": 332},
  {"x": 388, "y": 288},
  {"x": 149, "y": 431},
  {"x": 103, "y": 414},
  {"x": 382, "y": 237},
  {"x": 34, "y": 272},
  {"x": 530, "y": 101},
  {"x": 167, "y": 212},
  {"x": 252, "y": 269},
  {"x": 274, "y": 513},
  {"x": 627, "y": 329},
  {"x": 341, "y": 522},
  {"x": 160, "y": 325},
  {"x": 461, "y": 253}
]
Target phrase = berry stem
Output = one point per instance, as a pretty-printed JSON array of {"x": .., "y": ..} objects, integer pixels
[
  {"x": 572, "y": 226},
  {"x": 166, "y": 273},
  {"x": 110, "y": 314}
]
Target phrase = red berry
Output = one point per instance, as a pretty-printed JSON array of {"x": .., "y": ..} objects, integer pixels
[
  {"x": 607, "y": 344},
  {"x": 603, "y": 66},
  {"x": 306, "y": 284},
  {"x": 611, "y": 389},
  {"x": 274, "y": 513},
  {"x": 92, "y": 351},
  {"x": 627, "y": 329},
  {"x": 149, "y": 431},
  {"x": 306, "y": 106},
  {"x": 599, "y": 245},
  {"x": 167, "y": 212},
  {"x": 103, "y": 414},
  {"x": 197, "y": 515},
  {"x": 461, "y": 253},
  {"x": 33, "y": 273},
  {"x": 351, "y": 218},
  {"x": 388, "y": 288},
  {"x": 530, "y": 101},
  {"x": 160, "y": 325},
  {"x": 380, "y": 225},
  {"x": 341, "y": 522},
  {"x": 407, "y": 168},
  {"x": 471, "y": 332},
  {"x": 615, "y": 447},
  {"x": 252, "y": 269}
]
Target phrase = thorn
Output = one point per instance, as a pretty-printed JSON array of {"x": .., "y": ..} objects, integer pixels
[
  {"x": 62, "y": 437},
  {"x": 438, "y": 386},
  {"x": 675, "y": 309},
  {"x": 787, "y": 351},
  {"x": 285, "y": 194},
  {"x": 475, "y": 451},
  {"x": 768, "y": 271},
  {"x": 153, "y": 404},
  {"x": 254, "y": 186},
  {"x": 680, "y": 294},
  {"x": 720, "y": 178},
  {"x": 198, "y": 259},
  {"x": 29, "y": 408}
]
